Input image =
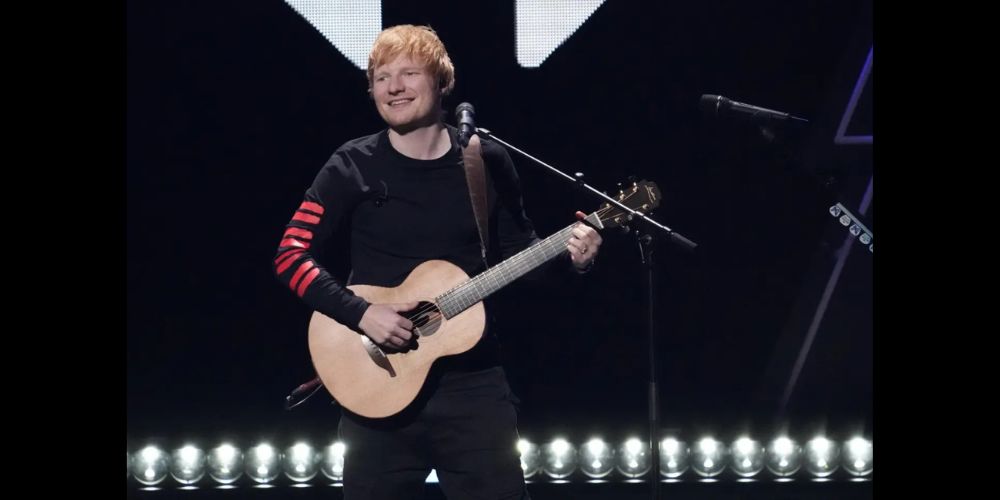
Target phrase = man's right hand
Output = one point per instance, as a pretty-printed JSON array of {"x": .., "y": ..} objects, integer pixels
[{"x": 383, "y": 324}]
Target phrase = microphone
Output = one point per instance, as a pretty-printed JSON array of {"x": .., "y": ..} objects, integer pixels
[
  {"x": 465, "y": 115},
  {"x": 716, "y": 105}
]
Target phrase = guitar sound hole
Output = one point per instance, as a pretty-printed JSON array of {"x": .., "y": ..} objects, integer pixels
[{"x": 426, "y": 318}]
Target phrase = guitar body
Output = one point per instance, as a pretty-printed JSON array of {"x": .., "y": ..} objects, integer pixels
[{"x": 376, "y": 386}]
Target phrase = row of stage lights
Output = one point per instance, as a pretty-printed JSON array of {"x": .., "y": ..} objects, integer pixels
[
  {"x": 558, "y": 460},
  {"x": 854, "y": 226}
]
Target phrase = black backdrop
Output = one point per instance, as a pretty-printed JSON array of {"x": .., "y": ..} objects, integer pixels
[{"x": 233, "y": 106}]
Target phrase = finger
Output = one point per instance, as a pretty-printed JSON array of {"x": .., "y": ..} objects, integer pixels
[
  {"x": 584, "y": 233},
  {"x": 401, "y": 334},
  {"x": 404, "y": 323}
]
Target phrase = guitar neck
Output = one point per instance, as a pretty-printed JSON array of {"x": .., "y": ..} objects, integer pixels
[{"x": 486, "y": 283}]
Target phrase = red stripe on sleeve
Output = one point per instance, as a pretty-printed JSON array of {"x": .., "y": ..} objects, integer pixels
[
  {"x": 305, "y": 266},
  {"x": 304, "y": 217},
  {"x": 292, "y": 242},
  {"x": 307, "y": 281},
  {"x": 301, "y": 233},
  {"x": 312, "y": 207},
  {"x": 286, "y": 259}
]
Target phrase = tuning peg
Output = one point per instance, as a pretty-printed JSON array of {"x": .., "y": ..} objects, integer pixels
[{"x": 634, "y": 180}]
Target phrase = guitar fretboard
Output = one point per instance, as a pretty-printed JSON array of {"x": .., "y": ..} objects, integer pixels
[{"x": 486, "y": 283}]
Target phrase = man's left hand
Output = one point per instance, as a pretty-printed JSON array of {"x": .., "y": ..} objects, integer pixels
[{"x": 584, "y": 244}]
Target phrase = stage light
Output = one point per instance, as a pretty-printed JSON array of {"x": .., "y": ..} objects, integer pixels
[
  {"x": 858, "y": 456},
  {"x": 531, "y": 460},
  {"x": 263, "y": 463},
  {"x": 187, "y": 464},
  {"x": 560, "y": 458},
  {"x": 225, "y": 463},
  {"x": 747, "y": 457},
  {"x": 633, "y": 458},
  {"x": 333, "y": 461},
  {"x": 708, "y": 458},
  {"x": 597, "y": 459},
  {"x": 300, "y": 462},
  {"x": 673, "y": 457},
  {"x": 784, "y": 457},
  {"x": 822, "y": 456},
  {"x": 150, "y": 466}
]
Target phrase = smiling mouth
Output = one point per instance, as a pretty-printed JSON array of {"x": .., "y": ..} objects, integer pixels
[{"x": 400, "y": 102}]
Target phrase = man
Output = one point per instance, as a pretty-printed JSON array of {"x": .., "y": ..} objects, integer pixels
[{"x": 402, "y": 198}]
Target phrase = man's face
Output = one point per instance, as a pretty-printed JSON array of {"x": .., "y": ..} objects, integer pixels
[{"x": 406, "y": 94}]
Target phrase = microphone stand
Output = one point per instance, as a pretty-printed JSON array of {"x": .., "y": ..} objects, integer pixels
[{"x": 645, "y": 238}]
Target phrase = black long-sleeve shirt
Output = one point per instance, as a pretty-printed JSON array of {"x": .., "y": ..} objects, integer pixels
[{"x": 398, "y": 212}]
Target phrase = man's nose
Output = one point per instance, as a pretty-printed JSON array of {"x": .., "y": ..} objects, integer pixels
[{"x": 396, "y": 84}]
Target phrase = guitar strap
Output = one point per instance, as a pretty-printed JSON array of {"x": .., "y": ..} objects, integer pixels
[{"x": 475, "y": 176}]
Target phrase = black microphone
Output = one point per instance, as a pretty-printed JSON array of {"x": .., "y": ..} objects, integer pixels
[
  {"x": 465, "y": 115},
  {"x": 716, "y": 105}
]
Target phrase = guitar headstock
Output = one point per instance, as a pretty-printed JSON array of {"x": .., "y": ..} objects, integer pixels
[{"x": 642, "y": 196}]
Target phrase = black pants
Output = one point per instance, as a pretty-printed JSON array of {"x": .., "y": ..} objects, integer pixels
[{"x": 465, "y": 429}]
